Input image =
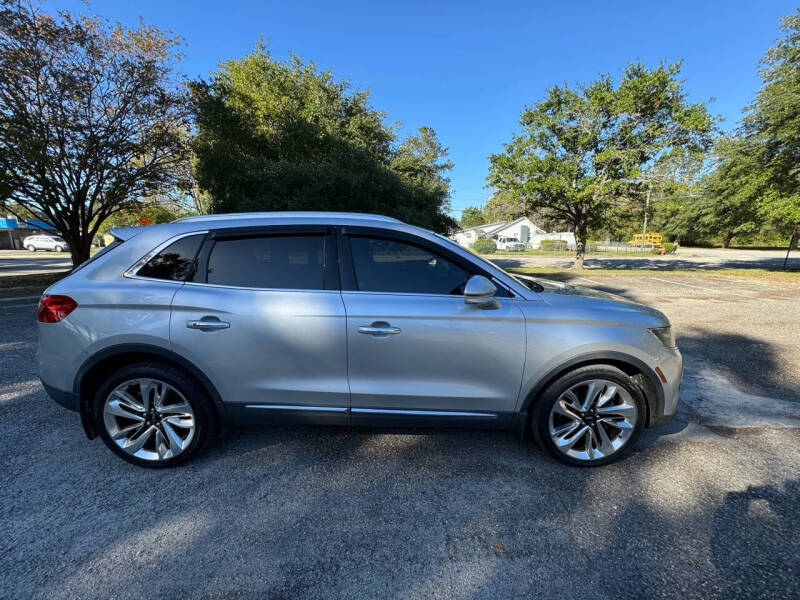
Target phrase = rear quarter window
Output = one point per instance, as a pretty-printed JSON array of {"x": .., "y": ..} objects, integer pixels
[{"x": 175, "y": 262}]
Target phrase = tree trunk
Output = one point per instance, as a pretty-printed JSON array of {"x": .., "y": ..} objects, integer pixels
[
  {"x": 726, "y": 241},
  {"x": 580, "y": 251},
  {"x": 79, "y": 249}
]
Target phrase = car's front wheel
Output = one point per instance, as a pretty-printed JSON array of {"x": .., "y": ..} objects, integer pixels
[
  {"x": 590, "y": 416},
  {"x": 31, "y": 248},
  {"x": 153, "y": 415},
  {"x": 59, "y": 248}
]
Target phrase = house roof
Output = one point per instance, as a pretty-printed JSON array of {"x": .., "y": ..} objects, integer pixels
[
  {"x": 485, "y": 226},
  {"x": 498, "y": 225}
]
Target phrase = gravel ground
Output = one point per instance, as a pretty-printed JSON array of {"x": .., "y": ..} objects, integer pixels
[
  {"x": 686, "y": 258},
  {"x": 707, "y": 507}
]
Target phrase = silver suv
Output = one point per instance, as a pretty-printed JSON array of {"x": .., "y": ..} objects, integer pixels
[
  {"x": 55, "y": 243},
  {"x": 347, "y": 319}
]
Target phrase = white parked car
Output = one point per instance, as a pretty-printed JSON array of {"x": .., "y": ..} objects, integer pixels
[
  {"x": 509, "y": 244},
  {"x": 45, "y": 242}
]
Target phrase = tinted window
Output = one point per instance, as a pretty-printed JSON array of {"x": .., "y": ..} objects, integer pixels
[
  {"x": 175, "y": 261},
  {"x": 282, "y": 262},
  {"x": 392, "y": 266}
]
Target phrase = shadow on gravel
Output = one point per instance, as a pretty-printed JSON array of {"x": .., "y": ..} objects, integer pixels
[
  {"x": 757, "y": 531},
  {"x": 753, "y": 365}
]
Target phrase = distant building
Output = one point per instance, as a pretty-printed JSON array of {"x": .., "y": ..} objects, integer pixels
[
  {"x": 13, "y": 231},
  {"x": 522, "y": 229}
]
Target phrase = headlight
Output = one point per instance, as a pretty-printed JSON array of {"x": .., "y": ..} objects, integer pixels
[{"x": 666, "y": 335}]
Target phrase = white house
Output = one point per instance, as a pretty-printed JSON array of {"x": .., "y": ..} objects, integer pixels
[
  {"x": 523, "y": 229},
  {"x": 536, "y": 240}
]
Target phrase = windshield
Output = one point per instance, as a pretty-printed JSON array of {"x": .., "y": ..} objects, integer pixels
[{"x": 58, "y": 239}]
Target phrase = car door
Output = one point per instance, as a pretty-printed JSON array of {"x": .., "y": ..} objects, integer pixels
[
  {"x": 264, "y": 319},
  {"x": 417, "y": 353}
]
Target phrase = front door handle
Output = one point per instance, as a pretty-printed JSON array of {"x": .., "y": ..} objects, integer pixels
[
  {"x": 379, "y": 329},
  {"x": 208, "y": 324}
]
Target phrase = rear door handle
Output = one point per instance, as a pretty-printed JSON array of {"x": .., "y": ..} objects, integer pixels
[
  {"x": 379, "y": 329},
  {"x": 208, "y": 325}
]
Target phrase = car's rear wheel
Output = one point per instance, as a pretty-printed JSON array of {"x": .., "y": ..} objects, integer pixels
[
  {"x": 31, "y": 248},
  {"x": 153, "y": 415},
  {"x": 590, "y": 416}
]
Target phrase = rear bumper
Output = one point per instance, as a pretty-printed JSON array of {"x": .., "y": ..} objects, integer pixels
[{"x": 66, "y": 399}]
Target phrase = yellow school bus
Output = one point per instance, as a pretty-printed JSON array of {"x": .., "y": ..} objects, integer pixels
[{"x": 650, "y": 239}]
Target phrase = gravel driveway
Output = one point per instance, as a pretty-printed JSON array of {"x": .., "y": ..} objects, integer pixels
[{"x": 706, "y": 507}]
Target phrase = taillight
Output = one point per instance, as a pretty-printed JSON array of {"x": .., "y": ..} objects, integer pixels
[{"x": 54, "y": 308}]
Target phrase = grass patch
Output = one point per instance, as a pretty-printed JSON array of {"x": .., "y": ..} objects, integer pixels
[
  {"x": 570, "y": 255},
  {"x": 755, "y": 273},
  {"x": 19, "y": 285}
]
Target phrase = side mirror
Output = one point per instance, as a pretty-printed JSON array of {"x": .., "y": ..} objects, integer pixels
[{"x": 479, "y": 291}]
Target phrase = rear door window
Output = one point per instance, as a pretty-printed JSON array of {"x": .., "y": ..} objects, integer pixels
[{"x": 291, "y": 262}]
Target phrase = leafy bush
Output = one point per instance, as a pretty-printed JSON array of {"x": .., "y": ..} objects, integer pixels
[
  {"x": 484, "y": 246},
  {"x": 667, "y": 248},
  {"x": 554, "y": 245}
]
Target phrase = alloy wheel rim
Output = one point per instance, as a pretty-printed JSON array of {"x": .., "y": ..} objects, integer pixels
[
  {"x": 593, "y": 419},
  {"x": 149, "y": 419}
]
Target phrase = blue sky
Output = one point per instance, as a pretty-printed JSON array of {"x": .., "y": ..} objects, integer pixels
[{"x": 467, "y": 69}]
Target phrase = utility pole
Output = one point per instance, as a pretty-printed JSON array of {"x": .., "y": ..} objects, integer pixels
[
  {"x": 789, "y": 249},
  {"x": 646, "y": 208}
]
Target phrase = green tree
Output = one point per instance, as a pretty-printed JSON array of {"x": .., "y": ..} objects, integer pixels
[
  {"x": 92, "y": 118},
  {"x": 504, "y": 206},
  {"x": 773, "y": 122},
  {"x": 678, "y": 199},
  {"x": 154, "y": 213},
  {"x": 472, "y": 216},
  {"x": 734, "y": 190},
  {"x": 582, "y": 150},
  {"x": 277, "y": 135}
]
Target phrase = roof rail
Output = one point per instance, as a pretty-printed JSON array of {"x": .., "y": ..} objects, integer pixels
[{"x": 284, "y": 215}]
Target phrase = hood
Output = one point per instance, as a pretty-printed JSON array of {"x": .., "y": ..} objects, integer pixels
[{"x": 577, "y": 297}]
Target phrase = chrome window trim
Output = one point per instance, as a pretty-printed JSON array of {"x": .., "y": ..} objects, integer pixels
[
  {"x": 254, "y": 289},
  {"x": 423, "y": 413},
  {"x": 455, "y": 296},
  {"x": 132, "y": 272},
  {"x": 336, "y": 409}
]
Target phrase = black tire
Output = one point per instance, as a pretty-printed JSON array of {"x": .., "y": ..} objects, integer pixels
[
  {"x": 31, "y": 248},
  {"x": 194, "y": 393},
  {"x": 58, "y": 249},
  {"x": 540, "y": 412}
]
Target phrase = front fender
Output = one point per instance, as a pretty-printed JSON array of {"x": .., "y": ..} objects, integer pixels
[{"x": 538, "y": 380}]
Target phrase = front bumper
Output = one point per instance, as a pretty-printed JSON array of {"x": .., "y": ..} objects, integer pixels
[
  {"x": 672, "y": 368},
  {"x": 66, "y": 399}
]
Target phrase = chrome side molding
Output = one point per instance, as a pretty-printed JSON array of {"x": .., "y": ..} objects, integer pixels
[
  {"x": 336, "y": 409},
  {"x": 422, "y": 413},
  {"x": 375, "y": 411}
]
